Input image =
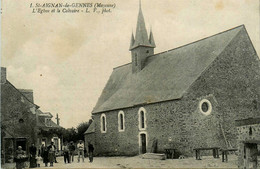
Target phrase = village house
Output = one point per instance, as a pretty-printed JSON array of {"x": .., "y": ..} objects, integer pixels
[
  {"x": 21, "y": 120},
  {"x": 48, "y": 130},
  {"x": 248, "y": 142},
  {"x": 187, "y": 97},
  {"x": 18, "y": 114}
]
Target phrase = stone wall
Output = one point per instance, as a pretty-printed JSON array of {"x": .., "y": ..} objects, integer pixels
[
  {"x": 3, "y": 74},
  {"x": 247, "y": 134},
  {"x": 178, "y": 124},
  {"x": 233, "y": 79},
  {"x": 90, "y": 137}
]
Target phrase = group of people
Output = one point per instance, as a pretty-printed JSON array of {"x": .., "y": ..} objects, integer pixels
[
  {"x": 48, "y": 154},
  {"x": 69, "y": 151},
  {"x": 21, "y": 157}
]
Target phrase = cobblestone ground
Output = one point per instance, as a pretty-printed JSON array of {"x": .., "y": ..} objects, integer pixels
[{"x": 137, "y": 162}]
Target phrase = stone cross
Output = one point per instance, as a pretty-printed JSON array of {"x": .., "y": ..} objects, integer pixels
[{"x": 58, "y": 119}]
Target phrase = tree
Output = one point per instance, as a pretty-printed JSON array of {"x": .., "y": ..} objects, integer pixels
[{"x": 75, "y": 134}]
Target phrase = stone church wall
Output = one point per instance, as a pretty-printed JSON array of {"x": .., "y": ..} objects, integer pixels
[{"x": 232, "y": 79}]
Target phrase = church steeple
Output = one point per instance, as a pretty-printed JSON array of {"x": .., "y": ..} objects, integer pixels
[
  {"x": 140, "y": 46},
  {"x": 151, "y": 40},
  {"x": 132, "y": 41},
  {"x": 141, "y": 37}
]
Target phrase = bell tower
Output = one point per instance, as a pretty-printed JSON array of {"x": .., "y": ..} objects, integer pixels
[{"x": 141, "y": 46}]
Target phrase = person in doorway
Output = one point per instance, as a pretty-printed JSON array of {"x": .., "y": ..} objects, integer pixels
[
  {"x": 80, "y": 147},
  {"x": 51, "y": 155},
  {"x": 90, "y": 152},
  {"x": 32, "y": 151},
  {"x": 72, "y": 149},
  {"x": 20, "y": 155},
  {"x": 66, "y": 153}
]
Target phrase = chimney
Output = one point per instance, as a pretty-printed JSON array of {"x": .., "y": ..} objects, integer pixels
[
  {"x": 28, "y": 93},
  {"x": 3, "y": 74}
]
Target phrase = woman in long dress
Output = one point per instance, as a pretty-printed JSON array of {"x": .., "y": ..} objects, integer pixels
[
  {"x": 20, "y": 155},
  {"x": 45, "y": 156},
  {"x": 52, "y": 150}
]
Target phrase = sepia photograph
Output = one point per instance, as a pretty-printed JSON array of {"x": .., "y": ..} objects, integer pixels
[{"x": 130, "y": 84}]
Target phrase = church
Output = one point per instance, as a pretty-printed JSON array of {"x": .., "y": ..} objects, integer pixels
[{"x": 187, "y": 97}]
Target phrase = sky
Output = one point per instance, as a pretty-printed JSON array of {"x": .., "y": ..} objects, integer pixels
[{"x": 67, "y": 58}]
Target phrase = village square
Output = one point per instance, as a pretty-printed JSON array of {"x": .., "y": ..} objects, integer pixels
[{"x": 193, "y": 106}]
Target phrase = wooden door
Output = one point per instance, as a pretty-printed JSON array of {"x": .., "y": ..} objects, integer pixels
[
  {"x": 143, "y": 143},
  {"x": 250, "y": 156}
]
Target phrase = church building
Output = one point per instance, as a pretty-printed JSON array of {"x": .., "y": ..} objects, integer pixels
[{"x": 187, "y": 97}]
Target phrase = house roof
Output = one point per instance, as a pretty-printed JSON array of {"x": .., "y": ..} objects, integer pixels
[
  {"x": 19, "y": 91},
  {"x": 91, "y": 129},
  {"x": 166, "y": 76},
  {"x": 41, "y": 119}
]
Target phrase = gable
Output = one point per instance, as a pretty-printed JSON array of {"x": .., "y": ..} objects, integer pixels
[
  {"x": 166, "y": 75},
  {"x": 233, "y": 78}
]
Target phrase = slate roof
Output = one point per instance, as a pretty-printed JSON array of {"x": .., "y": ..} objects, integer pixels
[
  {"x": 18, "y": 90},
  {"x": 166, "y": 76},
  {"x": 91, "y": 129},
  {"x": 41, "y": 119}
]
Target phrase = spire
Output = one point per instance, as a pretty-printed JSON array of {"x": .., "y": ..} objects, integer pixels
[
  {"x": 132, "y": 40},
  {"x": 141, "y": 37},
  {"x": 151, "y": 40}
]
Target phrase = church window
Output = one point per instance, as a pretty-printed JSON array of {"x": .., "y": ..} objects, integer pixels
[
  {"x": 121, "y": 121},
  {"x": 135, "y": 59},
  {"x": 250, "y": 131},
  {"x": 147, "y": 51},
  {"x": 21, "y": 120},
  {"x": 255, "y": 104},
  {"x": 142, "y": 118},
  {"x": 103, "y": 123},
  {"x": 205, "y": 107}
]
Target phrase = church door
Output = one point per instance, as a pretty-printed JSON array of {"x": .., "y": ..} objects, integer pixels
[
  {"x": 143, "y": 143},
  {"x": 250, "y": 156}
]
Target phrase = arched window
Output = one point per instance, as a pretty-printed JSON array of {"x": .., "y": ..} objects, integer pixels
[
  {"x": 103, "y": 123},
  {"x": 121, "y": 121},
  {"x": 142, "y": 118}
]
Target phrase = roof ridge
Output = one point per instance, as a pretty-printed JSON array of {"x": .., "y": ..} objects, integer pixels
[
  {"x": 122, "y": 65},
  {"x": 198, "y": 40},
  {"x": 186, "y": 44},
  {"x": 22, "y": 94}
]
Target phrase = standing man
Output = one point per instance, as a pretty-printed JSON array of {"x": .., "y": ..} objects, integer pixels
[
  {"x": 72, "y": 149},
  {"x": 66, "y": 153},
  {"x": 90, "y": 152},
  {"x": 80, "y": 147},
  {"x": 52, "y": 150},
  {"x": 33, "y": 150}
]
